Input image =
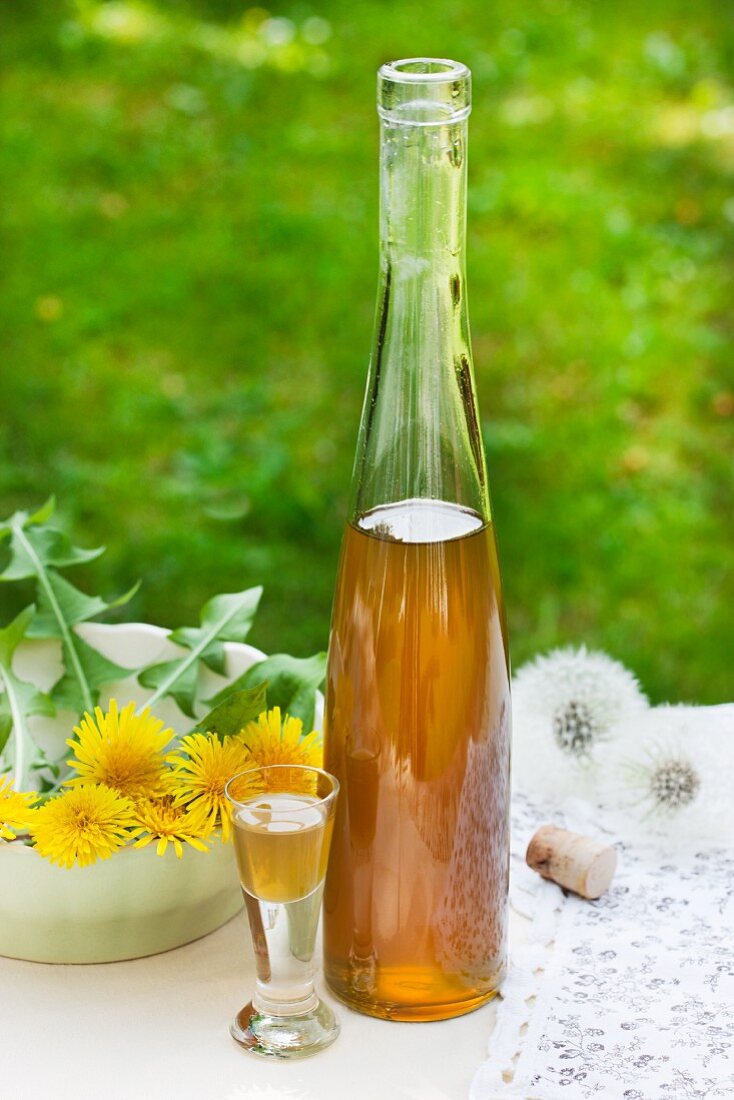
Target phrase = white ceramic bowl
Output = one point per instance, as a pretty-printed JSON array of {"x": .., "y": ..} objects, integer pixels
[{"x": 135, "y": 903}]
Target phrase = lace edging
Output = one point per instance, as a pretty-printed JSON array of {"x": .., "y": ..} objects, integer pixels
[{"x": 529, "y": 963}]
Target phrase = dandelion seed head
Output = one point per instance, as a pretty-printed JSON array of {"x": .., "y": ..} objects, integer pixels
[
  {"x": 670, "y": 770},
  {"x": 674, "y": 783},
  {"x": 573, "y": 726},
  {"x": 566, "y": 704}
]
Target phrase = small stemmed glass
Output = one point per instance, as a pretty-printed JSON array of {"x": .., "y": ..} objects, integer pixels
[{"x": 283, "y": 818}]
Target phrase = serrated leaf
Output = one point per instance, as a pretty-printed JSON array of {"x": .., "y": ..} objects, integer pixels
[
  {"x": 42, "y": 763},
  {"x": 32, "y": 699},
  {"x": 236, "y": 610},
  {"x": 26, "y": 519},
  {"x": 6, "y": 722},
  {"x": 44, "y": 513},
  {"x": 213, "y": 656},
  {"x": 292, "y": 684},
  {"x": 96, "y": 670},
  {"x": 234, "y": 712},
  {"x": 76, "y": 606},
  {"x": 169, "y": 678},
  {"x": 231, "y": 614},
  {"x": 227, "y": 617},
  {"x": 13, "y": 634},
  {"x": 47, "y": 546},
  {"x": 37, "y": 550},
  {"x": 47, "y": 786},
  {"x": 21, "y": 699}
]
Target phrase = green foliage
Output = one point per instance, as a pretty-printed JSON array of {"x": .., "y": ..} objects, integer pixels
[
  {"x": 189, "y": 244},
  {"x": 34, "y": 545},
  {"x": 291, "y": 683},
  {"x": 19, "y": 700},
  {"x": 6, "y": 721},
  {"x": 36, "y": 552},
  {"x": 224, "y": 618},
  {"x": 231, "y": 715}
]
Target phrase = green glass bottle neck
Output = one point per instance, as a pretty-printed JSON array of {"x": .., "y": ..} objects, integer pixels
[
  {"x": 422, "y": 197},
  {"x": 419, "y": 436}
]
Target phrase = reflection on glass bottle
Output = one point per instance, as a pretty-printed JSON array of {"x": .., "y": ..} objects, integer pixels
[
  {"x": 362, "y": 785},
  {"x": 417, "y": 715}
]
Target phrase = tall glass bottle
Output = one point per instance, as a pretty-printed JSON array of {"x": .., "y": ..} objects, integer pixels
[{"x": 418, "y": 704}]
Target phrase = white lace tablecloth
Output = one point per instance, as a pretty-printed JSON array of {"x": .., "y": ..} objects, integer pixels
[{"x": 630, "y": 997}]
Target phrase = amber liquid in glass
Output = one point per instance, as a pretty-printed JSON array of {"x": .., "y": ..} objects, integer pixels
[
  {"x": 417, "y": 732},
  {"x": 282, "y": 843}
]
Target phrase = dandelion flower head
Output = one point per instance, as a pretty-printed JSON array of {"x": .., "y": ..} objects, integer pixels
[
  {"x": 272, "y": 739},
  {"x": 16, "y": 809},
  {"x": 201, "y": 773},
  {"x": 164, "y": 823},
  {"x": 85, "y": 823},
  {"x": 123, "y": 750}
]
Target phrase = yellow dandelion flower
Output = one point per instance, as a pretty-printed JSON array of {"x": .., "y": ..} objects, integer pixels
[
  {"x": 163, "y": 821},
  {"x": 83, "y": 824},
  {"x": 200, "y": 776},
  {"x": 123, "y": 750},
  {"x": 16, "y": 809},
  {"x": 271, "y": 740}
]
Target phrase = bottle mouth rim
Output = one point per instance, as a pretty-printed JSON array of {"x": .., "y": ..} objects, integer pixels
[
  {"x": 423, "y": 70},
  {"x": 423, "y": 91}
]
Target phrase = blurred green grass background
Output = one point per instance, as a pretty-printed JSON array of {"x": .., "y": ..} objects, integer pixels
[{"x": 189, "y": 222}]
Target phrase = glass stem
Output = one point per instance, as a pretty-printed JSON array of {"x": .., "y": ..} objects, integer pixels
[{"x": 283, "y": 936}]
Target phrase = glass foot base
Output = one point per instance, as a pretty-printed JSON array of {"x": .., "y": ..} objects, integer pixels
[{"x": 285, "y": 1036}]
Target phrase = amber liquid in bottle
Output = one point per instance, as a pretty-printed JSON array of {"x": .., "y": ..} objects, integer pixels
[{"x": 418, "y": 723}]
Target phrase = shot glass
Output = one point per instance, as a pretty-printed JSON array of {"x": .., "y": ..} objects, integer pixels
[{"x": 283, "y": 818}]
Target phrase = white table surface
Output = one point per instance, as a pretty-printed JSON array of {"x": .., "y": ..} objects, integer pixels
[{"x": 157, "y": 1029}]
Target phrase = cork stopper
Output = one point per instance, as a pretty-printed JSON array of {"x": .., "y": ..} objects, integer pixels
[{"x": 576, "y": 862}]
